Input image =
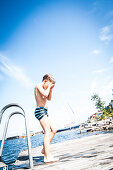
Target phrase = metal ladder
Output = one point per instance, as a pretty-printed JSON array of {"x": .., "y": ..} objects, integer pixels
[{"x": 6, "y": 127}]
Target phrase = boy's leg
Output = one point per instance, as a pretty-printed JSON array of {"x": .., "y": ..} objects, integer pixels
[
  {"x": 52, "y": 133},
  {"x": 46, "y": 127},
  {"x": 53, "y": 129}
]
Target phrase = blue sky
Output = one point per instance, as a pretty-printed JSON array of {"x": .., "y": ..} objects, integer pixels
[{"x": 71, "y": 39}]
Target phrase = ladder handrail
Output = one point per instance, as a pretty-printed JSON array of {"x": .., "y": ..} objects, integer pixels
[
  {"x": 8, "y": 106},
  {"x": 5, "y": 130},
  {"x": 26, "y": 126}
]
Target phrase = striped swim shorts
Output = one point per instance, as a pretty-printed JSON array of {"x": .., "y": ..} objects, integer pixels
[{"x": 40, "y": 112}]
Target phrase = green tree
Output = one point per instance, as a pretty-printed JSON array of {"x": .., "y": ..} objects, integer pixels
[{"x": 99, "y": 104}]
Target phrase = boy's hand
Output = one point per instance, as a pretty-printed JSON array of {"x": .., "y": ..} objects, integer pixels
[{"x": 52, "y": 85}]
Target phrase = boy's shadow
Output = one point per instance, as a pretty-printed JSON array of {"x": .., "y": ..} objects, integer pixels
[{"x": 38, "y": 160}]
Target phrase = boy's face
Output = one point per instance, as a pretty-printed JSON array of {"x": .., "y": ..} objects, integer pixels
[{"x": 46, "y": 84}]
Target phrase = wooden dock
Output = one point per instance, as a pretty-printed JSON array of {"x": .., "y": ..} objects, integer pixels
[{"x": 87, "y": 153}]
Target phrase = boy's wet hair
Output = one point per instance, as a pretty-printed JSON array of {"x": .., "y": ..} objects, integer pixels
[{"x": 49, "y": 77}]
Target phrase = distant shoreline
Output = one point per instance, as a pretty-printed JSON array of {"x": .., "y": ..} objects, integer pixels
[{"x": 41, "y": 132}]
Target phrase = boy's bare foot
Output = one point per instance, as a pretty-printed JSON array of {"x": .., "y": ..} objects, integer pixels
[
  {"x": 50, "y": 159},
  {"x": 42, "y": 151}
]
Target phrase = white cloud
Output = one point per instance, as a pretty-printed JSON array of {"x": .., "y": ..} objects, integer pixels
[
  {"x": 14, "y": 71},
  {"x": 106, "y": 33},
  {"x": 110, "y": 14},
  {"x": 96, "y": 52},
  {"x": 106, "y": 90},
  {"x": 1, "y": 77},
  {"x": 103, "y": 89},
  {"x": 99, "y": 71},
  {"x": 111, "y": 60},
  {"x": 94, "y": 87},
  {"x": 95, "y": 7}
]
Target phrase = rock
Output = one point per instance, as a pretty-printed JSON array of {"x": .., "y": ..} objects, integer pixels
[{"x": 106, "y": 124}]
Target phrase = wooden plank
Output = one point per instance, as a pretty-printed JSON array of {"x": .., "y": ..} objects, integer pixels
[{"x": 91, "y": 153}]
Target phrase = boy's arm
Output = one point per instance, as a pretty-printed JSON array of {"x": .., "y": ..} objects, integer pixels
[
  {"x": 50, "y": 93},
  {"x": 45, "y": 93}
]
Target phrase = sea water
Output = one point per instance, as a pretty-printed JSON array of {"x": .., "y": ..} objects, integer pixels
[{"x": 12, "y": 148}]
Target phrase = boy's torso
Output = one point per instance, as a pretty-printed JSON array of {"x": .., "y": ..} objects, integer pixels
[{"x": 41, "y": 100}]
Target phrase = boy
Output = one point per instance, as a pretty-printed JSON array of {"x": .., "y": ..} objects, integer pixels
[{"x": 43, "y": 93}]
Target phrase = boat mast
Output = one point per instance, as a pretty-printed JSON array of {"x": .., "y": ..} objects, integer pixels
[{"x": 73, "y": 112}]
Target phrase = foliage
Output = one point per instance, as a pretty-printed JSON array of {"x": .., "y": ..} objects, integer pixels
[{"x": 98, "y": 102}]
